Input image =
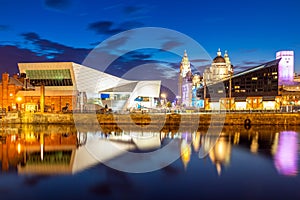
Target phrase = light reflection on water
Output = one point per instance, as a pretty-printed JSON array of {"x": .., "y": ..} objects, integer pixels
[
  {"x": 42, "y": 151},
  {"x": 286, "y": 156}
]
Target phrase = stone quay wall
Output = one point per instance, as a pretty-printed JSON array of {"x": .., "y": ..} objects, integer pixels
[{"x": 155, "y": 119}]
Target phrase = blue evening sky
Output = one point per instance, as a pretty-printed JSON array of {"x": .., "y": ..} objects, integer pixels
[{"x": 67, "y": 30}]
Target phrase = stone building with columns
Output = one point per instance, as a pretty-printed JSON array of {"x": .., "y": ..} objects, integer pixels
[
  {"x": 220, "y": 69},
  {"x": 187, "y": 82}
]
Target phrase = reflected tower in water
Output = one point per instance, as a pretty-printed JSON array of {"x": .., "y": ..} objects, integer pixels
[{"x": 286, "y": 157}]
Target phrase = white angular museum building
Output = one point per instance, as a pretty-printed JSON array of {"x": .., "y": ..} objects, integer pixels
[{"x": 89, "y": 86}]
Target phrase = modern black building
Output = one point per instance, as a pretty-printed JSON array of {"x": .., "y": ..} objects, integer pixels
[{"x": 261, "y": 80}]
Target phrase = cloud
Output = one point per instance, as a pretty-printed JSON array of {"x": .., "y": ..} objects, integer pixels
[
  {"x": 171, "y": 45},
  {"x": 36, "y": 49},
  {"x": 111, "y": 44},
  {"x": 11, "y": 55},
  {"x": 110, "y": 28},
  {"x": 54, "y": 50},
  {"x": 58, "y": 4},
  {"x": 31, "y": 36},
  {"x": 254, "y": 62},
  {"x": 130, "y": 9},
  {"x": 103, "y": 27},
  {"x": 4, "y": 27},
  {"x": 200, "y": 60}
]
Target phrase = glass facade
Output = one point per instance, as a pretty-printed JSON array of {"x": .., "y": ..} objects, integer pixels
[
  {"x": 54, "y": 77},
  {"x": 257, "y": 81}
]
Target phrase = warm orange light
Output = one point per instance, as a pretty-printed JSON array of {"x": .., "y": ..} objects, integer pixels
[
  {"x": 163, "y": 95},
  {"x": 19, "y": 99},
  {"x": 10, "y": 94},
  {"x": 19, "y": 148}
]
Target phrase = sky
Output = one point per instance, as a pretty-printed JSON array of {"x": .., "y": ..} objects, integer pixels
[{"x": 69, "y": 30}]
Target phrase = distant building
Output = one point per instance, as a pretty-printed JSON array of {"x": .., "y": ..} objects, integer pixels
[
  {"x": 187, "y": 83},
  {"x": 269, "y": 86},
  {"x": 285, "y": 67},
  {"x": 220, "y": 69}
]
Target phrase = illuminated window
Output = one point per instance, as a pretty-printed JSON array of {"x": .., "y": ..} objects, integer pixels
[
  {"x": 243, "y": 90},
  {"x": 56, "y": 77},
  {"x": 220, "y": 91},
  {"x": 274, "y": 73},
  {"x": 254, "y": 78},
  {"x": 236, "y": 87},
  {"x": 275, "y": 77}
]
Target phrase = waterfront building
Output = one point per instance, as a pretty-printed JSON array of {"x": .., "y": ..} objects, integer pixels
[
  {"x": 285, "y": 67},
  {"x": 187, "y": 83},
  {"x": 220, "y": 69},
  {"x": 269, "y": 86},
  {"x": 9, "y": 86},
  {"x": 66, "y": 86}
]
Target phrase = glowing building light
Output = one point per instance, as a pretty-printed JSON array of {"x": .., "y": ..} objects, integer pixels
[
  {"x": 19, "y": 99},
  {"x": 285, "y": 67},
  {"x": 286, "y": 157},
  {"x": 19, "y": 148}
]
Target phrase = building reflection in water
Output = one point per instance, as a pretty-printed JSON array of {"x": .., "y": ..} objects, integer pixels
[
  {"x": 38, "y": 152},
  {"x": 185, "y": 148},
  {"x": 220, "y": 154},
  {"x": 196, "y": 141},
  {"x": 286, "y": 157},
  {"x": 254, "y": 144},
  {"x": 34, "y": 150}
]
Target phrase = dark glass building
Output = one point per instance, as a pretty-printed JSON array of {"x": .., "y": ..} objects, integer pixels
[{"x": 261, "y": 80}]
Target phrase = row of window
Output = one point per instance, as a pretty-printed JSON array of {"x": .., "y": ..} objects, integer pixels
[
  {"x": 49, "y": 74},
  {"x": 51, "y": 82}
]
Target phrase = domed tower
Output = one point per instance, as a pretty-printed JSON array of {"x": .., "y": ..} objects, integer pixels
[{"x": 219, "y": 69}]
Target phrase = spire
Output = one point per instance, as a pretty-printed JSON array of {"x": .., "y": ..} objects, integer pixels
[
  {"x": 225, "y": 55},
  {"x": 219, "y": 52},
  {"x": 185, "y": 66}
]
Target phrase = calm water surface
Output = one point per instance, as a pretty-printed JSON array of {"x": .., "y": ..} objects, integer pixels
[{"x": 51, "y": 162}]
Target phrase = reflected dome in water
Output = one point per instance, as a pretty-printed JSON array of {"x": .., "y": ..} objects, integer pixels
[{"x": 220, "y": 154}]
